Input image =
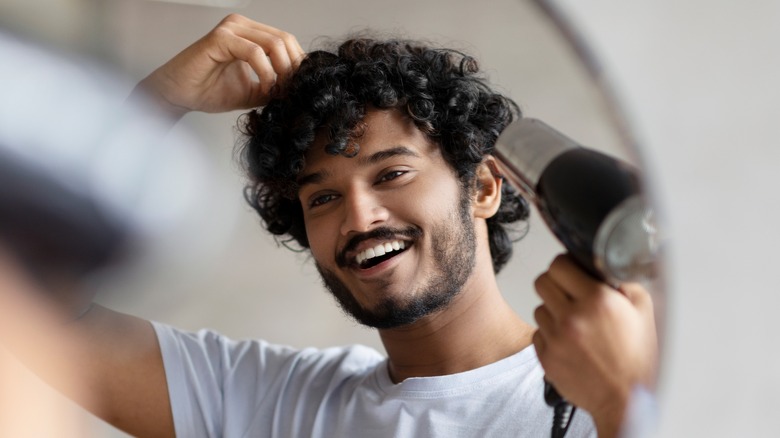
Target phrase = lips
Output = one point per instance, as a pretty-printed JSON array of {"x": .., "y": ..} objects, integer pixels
[
  {"x": 372, "y": 248},
  {"x": 372, "y": 256}
]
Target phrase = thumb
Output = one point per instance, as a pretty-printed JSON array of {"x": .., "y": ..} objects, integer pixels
[
  {"x": 256, "y": 96},
  {"x": 636, "y": 293}
]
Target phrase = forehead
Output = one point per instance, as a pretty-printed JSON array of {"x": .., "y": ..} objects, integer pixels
[{"x": 384, "y": 129}]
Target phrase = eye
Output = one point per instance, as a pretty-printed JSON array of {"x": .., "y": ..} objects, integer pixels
[
  {"x": 389, "y": 176},
  {"x": 321, "y": 200}
]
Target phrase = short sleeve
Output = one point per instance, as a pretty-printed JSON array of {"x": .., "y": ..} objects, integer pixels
[
  {"x": 209, "y": 374},
  {"x": 221, "y": 387}
]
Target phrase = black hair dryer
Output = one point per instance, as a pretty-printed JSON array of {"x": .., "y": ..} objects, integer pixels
[{"x": 592, "y": 202}]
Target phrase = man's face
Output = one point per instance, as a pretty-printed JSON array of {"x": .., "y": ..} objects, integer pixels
[{"x": 391, "y": 230}]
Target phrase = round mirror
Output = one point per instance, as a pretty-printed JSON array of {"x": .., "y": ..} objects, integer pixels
[{"x": 244, "y": 284}]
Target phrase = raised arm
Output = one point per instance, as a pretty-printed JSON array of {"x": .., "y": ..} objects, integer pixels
[
  {"x": 595, "y": 343},
  {"x": 235, "y": 66}
]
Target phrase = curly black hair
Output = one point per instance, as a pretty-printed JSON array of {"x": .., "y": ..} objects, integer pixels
[{"x": 439, "y": 89}]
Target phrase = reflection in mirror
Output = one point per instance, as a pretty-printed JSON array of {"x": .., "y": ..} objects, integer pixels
[
  {"x": 240, "y": 282},
  {"x": 527, "y": 58}
]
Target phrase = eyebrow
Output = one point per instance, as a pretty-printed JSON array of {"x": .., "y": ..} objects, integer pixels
[{"x": 376, "y": 157}]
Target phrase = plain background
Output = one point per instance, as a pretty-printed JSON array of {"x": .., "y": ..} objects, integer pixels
[{"x": 698, "y": 82}]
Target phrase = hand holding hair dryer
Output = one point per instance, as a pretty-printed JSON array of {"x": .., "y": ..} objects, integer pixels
[{"x": 594, "y": 205}]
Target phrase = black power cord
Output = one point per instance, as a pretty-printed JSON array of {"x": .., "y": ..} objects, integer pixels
[{"x": 563, "y": 411}]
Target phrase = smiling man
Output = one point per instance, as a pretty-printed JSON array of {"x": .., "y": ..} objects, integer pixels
[
  {"x": 377, "y": 158},
  {"x": 406, "y": 243}
]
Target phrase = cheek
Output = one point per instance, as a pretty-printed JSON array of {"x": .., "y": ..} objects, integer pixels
[
  {"x": 436, "y": 198},
  {"x": 322, "y": 241}
]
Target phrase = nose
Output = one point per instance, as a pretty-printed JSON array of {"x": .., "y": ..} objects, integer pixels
[{"x": 363, "y": 211}]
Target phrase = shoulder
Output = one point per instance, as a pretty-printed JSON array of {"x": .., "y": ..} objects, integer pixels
[
  {"x": 222, "y": 354},
  {"x": 220, "y": 387}
]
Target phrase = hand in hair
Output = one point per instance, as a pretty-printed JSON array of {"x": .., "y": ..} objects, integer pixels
[{"x": 215, "y": 74}]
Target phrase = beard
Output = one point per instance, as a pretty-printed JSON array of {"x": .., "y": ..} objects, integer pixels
[{"x": 453, "y": 243}]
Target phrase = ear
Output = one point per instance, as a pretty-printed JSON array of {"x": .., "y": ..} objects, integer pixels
[{"x": 487, "y": 195}]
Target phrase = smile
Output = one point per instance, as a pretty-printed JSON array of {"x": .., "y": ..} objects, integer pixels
[{"x": 377, "y": 254}]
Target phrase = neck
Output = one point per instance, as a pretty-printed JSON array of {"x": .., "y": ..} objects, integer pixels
[{"x": 476, "y": 329}]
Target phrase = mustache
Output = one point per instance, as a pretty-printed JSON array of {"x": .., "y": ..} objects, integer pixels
[{"x": 382, "y": 233}]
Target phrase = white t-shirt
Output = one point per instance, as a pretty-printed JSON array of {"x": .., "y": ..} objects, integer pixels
[{"x": 224, "y": 388}]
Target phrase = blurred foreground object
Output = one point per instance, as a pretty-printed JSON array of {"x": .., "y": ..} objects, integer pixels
[
  {"x": 86, "y": 179},
  {"x": 30, "y": 408},
  {"x": 85, "y": 175},
  {"x": 24, "y": 399}
]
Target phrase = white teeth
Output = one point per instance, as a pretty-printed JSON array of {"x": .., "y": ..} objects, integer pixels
[{"x": 379, "y": 250}]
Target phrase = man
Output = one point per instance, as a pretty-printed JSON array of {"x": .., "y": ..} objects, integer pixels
[{"x": 378, "y": 160}]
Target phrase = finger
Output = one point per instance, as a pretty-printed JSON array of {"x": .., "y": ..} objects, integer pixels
[
  {"x": 636, "y": 293},
  {"x": 257, "y": 96},
  {"x": 555, "y": 298},
  {"x": 282, "y": 47},
  {"x": 254, "y": 55},
  {"x": 254, "y": 43},
  {"x": 274, "y": 47},
  {"x": 545, "y": 321},
  {"x": 539, "y": 343},
  {"x": 570, "y": 277},
  {"x": 294, "y": 49},
  {"x": 298, "y": 55}
]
